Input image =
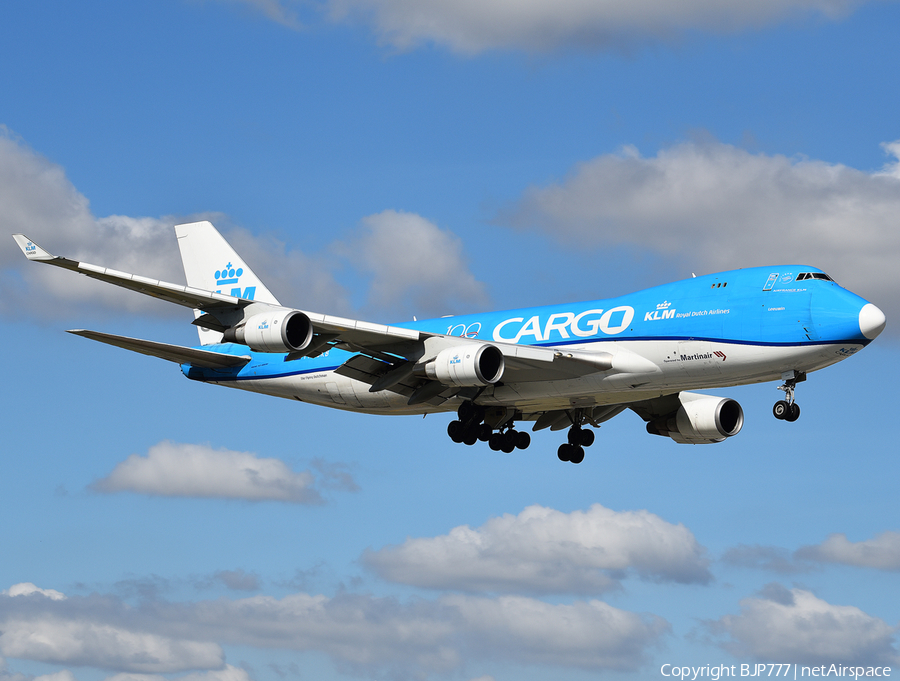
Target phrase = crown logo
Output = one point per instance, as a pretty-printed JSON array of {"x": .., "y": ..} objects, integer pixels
[
  {"x": 228, "y": 275},
  {"x": 664, "y": 305}
]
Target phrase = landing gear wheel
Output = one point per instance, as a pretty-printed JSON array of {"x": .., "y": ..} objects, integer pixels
[
  {"x": 496, "y": 441},
  {"x": 782, "y": 409},
  {"x": 509, "y": 441},
  {"x": 577, "y": 455},
  {"x": 456, "y": 431},
  {"x": 523, "y": 440},
  {"x": 574, "y": 436},
  {"x": 486, "y": 432},
  {"x": 565, "y": 452},
  {"x": 793, "y": 414},
  {"x": 587, "y": 438},
  {"x": 471, "y": 435}
]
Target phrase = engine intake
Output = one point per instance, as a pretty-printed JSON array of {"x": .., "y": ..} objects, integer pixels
[
  {"x": 467, "y": 366},
  {"x": 277, "y": 331},
  {"x": 700, "y": 419}
]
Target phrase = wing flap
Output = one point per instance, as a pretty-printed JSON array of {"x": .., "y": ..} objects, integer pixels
[{"x": 173, "y": 353}]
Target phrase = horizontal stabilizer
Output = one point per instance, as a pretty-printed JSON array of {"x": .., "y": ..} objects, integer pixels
[{"x": 172, "y": 353}]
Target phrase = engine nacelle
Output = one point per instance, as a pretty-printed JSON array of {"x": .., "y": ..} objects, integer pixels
[
  {"x": 276, "y": 331},
  {"x": 701, "y": 419},
  {"x": 467, "y": 365}
]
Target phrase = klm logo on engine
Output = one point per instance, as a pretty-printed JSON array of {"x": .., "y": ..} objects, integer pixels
[
  {"x": 663, "y": 311},
  {"x": 230, "y": 275}
]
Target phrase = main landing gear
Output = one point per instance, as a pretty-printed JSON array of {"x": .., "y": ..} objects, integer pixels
[
  {"x": 787, "y": 409},
  {"x": 573, "y": 450},
  {"x": 497, "y": 428},
  {"x": 472, "y": 427}
]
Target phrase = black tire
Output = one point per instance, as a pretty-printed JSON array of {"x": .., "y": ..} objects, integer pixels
[
  {"x": 509, "y": 441},
  {"x": 587, "y": 438},
  {"x": 565, "y": 452},
  {"x": 523, "y": 440},
  {"x": 485, "y": 433},
  {"x": 496, "y": 441},
  {"x": 577, "y": 455},
  {"x": 574, "y": 436},
  {"x": 781, "y": 409},
  {"x": 793, "y": 414},
  {"x": 456, "y": 431}
]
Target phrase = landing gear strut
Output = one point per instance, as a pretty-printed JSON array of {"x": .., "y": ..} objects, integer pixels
[{"x": 787, "y": 409}]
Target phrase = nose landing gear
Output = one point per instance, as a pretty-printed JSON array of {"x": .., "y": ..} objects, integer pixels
[{"x": 787, "y": 409}]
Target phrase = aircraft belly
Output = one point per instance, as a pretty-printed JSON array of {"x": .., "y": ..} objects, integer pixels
[
  {"x": 685, "y": 365},
  {"x": 682, "y": 365}
]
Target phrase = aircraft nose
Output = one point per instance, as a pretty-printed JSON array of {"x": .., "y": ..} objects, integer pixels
[{"x": 871, "y": 321}]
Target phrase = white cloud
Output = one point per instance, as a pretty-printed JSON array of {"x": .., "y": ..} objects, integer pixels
[
  {"x": 94, "y": 632},
  {"x": 367, "y": 635},
  {"x": 413, "y": 263},
  {"x": 588, "y": 635},
  {"x": 228, "y": 673},
  {"x": 432, "y": 636},
  {"x": 173, "y": 469},
  {"x": 28, "y": 589},
  {"x": 472, "y": 26},
  {"x": 796, "y": 626},
  {"x": 542, "y": 550},
  {"x": 881, "y": 552},
  {"x": 719, "y": 207},
  {"x": 37, "y": 199}
]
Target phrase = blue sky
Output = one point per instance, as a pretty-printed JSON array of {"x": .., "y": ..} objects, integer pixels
[{"x": 528, "y": 153}]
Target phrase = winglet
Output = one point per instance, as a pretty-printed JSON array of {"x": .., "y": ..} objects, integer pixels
[{"x": 31, "y": 250}]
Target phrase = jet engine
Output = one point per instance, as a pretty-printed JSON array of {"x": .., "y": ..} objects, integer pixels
[
  {"x": 275, "y": 331},
  {"x": 700, "y": 419},
  {"x": 467, "y": 365}
]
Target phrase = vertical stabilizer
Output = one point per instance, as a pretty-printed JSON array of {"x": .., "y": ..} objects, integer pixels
[{"x": 211, "y": 264}]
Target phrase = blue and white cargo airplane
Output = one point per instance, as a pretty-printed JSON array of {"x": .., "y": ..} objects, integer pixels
[{"x": 562, "y": 366}]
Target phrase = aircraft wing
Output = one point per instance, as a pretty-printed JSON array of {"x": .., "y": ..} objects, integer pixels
[
  {"x": 353, "y": 333},
  {"x": 394, "y": 347},
  {"x": 173, "y": 293},
  {"x": 173, "y": 353}
]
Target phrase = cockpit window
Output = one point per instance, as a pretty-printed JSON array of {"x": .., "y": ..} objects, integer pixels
[{"x": 813, "y": 275}]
